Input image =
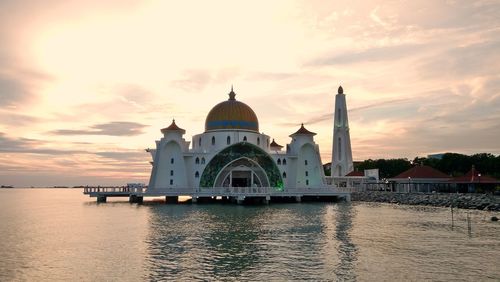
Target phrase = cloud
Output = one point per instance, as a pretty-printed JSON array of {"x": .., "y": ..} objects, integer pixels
[
  {"x": 117, "y": 128},
  {"x": 125, "y": 155},
  {"x": 30, "y": 146},
  {"x": 472, "y": 60},
  {"x": 378, "y": 104},
  {"x": 19, "y": 86},
  {"x": 377, "y": 54},
  {"x": 270, "y": 76},
  {"x": 15, "y": 119},
  {"x": 193, "y": 80}
]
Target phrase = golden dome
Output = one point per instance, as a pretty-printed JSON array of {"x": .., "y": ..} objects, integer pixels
[{"x": 232, "y": 114}]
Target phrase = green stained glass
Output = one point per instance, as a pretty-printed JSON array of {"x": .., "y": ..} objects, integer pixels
[{"x": 237, "y": 151}]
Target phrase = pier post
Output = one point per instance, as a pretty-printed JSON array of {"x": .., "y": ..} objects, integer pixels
[
  {"x": 240, "y": 200},
  {"x": 347, "y": 197},
  {"x": 135, "y": 199},
  {"x": 266, "y": 200},
  {"x": 298, "y": 199},
  {"x": 101, "y": 199},
  {"x": 171, "y": 199},
  {"x": 194, "y": 200}
]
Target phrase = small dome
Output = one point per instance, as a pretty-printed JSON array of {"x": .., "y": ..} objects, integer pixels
[{"x": 232, "y": 114}]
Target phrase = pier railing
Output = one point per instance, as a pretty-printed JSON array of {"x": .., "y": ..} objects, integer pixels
[
  {"x": 214, "y": 191},
  {"x": 99, "y": 189}
]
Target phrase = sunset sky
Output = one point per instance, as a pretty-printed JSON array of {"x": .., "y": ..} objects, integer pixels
[{"x": 86, "y": 86}]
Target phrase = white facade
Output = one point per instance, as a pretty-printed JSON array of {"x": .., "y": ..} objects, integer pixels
[
  {"x": 227, "y": 155},
  {"x": 341, "y": 150}
]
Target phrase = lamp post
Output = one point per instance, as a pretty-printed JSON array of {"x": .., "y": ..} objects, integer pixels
[
  {"x": 409, "y": 180},
  {"x": 479, "y": 181}
]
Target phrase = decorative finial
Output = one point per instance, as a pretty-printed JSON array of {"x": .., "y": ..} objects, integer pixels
[
  {"x": 232, "y": 94},
  {"x": 341, "y": 90}
]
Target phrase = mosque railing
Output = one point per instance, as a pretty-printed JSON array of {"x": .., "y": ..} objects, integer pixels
[
  {"x": 236, "y": 190},
  {"x": 328, "y": 190}
]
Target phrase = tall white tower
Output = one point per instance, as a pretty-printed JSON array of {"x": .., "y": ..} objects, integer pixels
[{"x": 341, "y": 150}]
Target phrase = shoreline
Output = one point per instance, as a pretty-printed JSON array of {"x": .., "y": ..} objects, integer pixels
[{"x": 486, "y": 202}]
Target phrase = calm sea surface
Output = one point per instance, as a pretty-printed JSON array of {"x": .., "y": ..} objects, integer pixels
[{"x": 60, "y": 234}]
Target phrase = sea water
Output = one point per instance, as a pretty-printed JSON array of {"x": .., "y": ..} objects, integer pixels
[{"x": 62, "y": 235}]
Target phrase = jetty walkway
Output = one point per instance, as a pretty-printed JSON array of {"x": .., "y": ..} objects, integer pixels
[{"x": 237, "y": 195}]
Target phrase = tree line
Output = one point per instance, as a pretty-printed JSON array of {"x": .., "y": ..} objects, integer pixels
[{"x": 452, "y": 164}]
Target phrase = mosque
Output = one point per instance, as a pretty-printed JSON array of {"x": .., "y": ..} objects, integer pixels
[{"x": 232, "y": 153}]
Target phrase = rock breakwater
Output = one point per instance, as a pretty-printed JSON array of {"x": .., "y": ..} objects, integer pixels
[{"x": 464, "y": 201}]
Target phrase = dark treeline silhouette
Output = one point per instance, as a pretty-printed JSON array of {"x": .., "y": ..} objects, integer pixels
[{"x": 452, "y": 164}]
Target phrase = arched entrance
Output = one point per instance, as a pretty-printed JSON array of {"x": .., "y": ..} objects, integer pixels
[
  {"x": 242, "y": 172},
  {"x": 245, "y": 160}
]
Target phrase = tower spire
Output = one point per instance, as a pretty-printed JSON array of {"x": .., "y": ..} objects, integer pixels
[{"x": 232, "y": 94}]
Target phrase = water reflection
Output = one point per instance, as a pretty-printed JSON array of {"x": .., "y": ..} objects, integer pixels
[
  {"x": 231, "y": 243},
  {"x": 202, "y": 241},
  {"x": 347, "y": 250},
  {"x": 60, "y": 235},
  {"x": 219, "y": 242}
]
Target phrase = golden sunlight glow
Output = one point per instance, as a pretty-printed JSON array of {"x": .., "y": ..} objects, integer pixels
[{"x": 77, "y": 69}]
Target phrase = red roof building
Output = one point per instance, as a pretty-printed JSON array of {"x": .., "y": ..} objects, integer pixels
[
  {"x": 422, "y": 172},
  {"x": 420, "y": 178},
  {"x": 355, "y": 173},
  {"x": 474, "y": 176}
]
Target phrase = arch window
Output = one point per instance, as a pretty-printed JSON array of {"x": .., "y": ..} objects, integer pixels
[
  {"x": 228, "y": 140},
  {"x": 284, "y": 174},
  {"x": 307, "y": 173},
  {"x": 258, "y": 140},
  {"x": 196, "y": 174},
  {"x": 171, "y": 173},
  {"x": 199, "y": 142},
  {"x": 197, "y": 161},
  {"x": 279, "y": 161},
  {"x": 171, "y": 182},
  {"x": 340, "y": 148},
  {"x": 213, "y": 140},
  {"x": 307, "y": 182},
  {"x": 284, "y": 161},
  {"x": 339, "y": 114},
  {"x": 305, "y": 162},
  {"x": 202, "y": 160},
  {"x": 172, "y": 160},
  {"x": 244, "y": 139}
]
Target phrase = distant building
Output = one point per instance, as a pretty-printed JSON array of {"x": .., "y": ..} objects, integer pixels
[
  {"x": 474, "y": 181},
  {"x": 420, "y": 178},
  {"x": 436, "y": 156}
]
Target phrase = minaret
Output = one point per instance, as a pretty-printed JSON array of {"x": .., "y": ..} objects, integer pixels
[{"x": 341, "y": 149}]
